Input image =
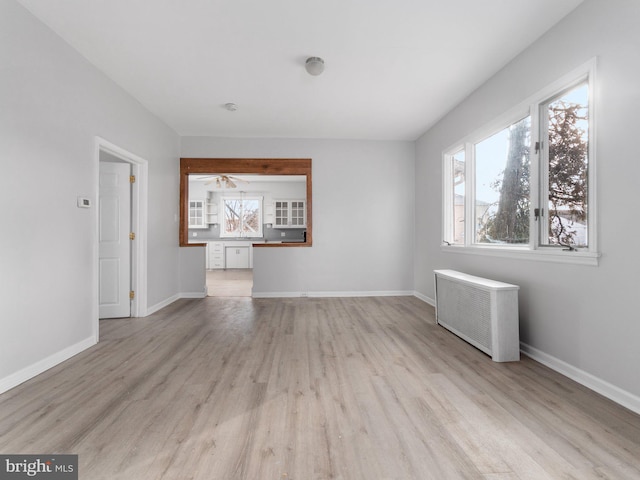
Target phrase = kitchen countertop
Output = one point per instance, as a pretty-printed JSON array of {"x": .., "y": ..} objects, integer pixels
[
  {"x": 243, "y": 243},
  {"x": 233, "y": 241}
]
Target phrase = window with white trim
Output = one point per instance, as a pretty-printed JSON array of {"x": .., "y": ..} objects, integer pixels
[
  {"x": 242, "y": 217},
  {"x": 526, "y": 181},
  {"x": 564, "y": 154}
]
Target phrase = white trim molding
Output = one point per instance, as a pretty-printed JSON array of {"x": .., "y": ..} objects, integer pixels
[
  {"x": 139, "y": 220},
  {"x": 160, "y": 305},
  {"x": 545, "y": 255},
  {"x": 45, "y": 364},
  {"x": 425, "y": 299},
  {"x": 193, "y": 295},
  {"x": 606, "y": 389},
  {"x": 173, "y": 298}
]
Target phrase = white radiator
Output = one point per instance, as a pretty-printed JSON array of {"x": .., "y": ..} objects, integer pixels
[{"x": 483, "y": 312}]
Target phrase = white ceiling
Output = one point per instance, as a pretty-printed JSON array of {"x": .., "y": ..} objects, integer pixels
[{"x": 393, "y": 68}]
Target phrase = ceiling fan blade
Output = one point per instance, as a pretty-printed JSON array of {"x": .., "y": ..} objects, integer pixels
[{"x": 225, "y": 181}]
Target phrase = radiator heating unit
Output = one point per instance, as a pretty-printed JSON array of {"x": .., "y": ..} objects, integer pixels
[{"x": 481, "y": 311}]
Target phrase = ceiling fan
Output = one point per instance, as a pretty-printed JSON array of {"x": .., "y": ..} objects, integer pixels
[{"x": 225, "y": 181}]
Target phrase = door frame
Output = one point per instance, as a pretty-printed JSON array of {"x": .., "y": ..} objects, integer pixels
[{"x": 139, "y": 196}]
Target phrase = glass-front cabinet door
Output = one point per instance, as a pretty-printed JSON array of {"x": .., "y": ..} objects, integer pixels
[
  {"x": 282, "y": 213},
  {"x": 297, "y": 214},
  {"x": 196, "y": 214},
  {"x": 290, "y": 213}
]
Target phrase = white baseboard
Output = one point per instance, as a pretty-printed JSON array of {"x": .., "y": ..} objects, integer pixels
[
  {"x": 624, "y": 398},
  {"x": 193, "y": 295},
  {"x": 399, "y": 293},
  {"x": 425, "y": 299},
  {"x": 160, "y": 305},
  {"x": 616, "y": 394},
  {"x": 51, "y": 361}
]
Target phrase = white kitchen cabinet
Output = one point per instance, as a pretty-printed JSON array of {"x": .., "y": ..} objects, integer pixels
[
  {"x": 237, "y": 256},
  {"x": 269, "y": 214},
  {"x": 197, "y": 214},
  {"x": 216, "y": 255},
  {"x": 290, "y": 214}
]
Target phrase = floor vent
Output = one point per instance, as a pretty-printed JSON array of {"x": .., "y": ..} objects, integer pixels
[{"x": 481, "y": 311}]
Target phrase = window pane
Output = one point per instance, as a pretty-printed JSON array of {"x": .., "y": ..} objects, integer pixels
[
  {"x": 502, "y": 186},
  {"x": 251, "y": 217},
  {"x": 242, "y": 217},
  {"x": 458, "y": 169},
  {"x": 232, "y": 216},
  {"x": 568, "y": 147}
]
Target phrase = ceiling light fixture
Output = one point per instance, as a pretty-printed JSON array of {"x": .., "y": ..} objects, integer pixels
[
  {"x": 232, "y": 107},
  {"x": 314, "y": 65}
]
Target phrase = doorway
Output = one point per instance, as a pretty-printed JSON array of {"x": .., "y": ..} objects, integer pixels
[
  {"x": 236, "y": 282},
  {"x": 114, "y": 238},
  {"x": 135, "y": 213}
]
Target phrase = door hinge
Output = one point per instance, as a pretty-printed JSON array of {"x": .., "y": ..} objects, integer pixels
[
  {"x": 132, "y": 236},
  {"x": 132, "y": 179},
  {"x": 132, "y": 294}
]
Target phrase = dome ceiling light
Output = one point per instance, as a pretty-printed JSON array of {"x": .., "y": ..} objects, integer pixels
[{"x": 314, "y": 65}]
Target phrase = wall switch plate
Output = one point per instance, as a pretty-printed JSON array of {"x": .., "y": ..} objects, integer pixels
[
  {"x": 283, "y": 234},
  {"x": 194, "y": 234},
  {"x": 84, "y": 202}
]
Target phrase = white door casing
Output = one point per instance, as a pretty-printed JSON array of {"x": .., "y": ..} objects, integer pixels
[{"x": 114, "y": 222}]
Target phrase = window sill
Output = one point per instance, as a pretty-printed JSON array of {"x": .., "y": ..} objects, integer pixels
[{"x": 542, "y": 255}]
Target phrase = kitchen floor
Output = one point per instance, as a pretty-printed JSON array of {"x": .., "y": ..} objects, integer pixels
[{"x": 229, "y": 283}]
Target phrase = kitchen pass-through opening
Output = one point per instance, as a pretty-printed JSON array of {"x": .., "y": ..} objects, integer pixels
[{"x": 233, "y": 282}]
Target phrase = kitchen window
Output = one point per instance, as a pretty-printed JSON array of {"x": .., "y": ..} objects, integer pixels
[
  {"x": 524, "y": 184},
  {"x": 242, "y": 217}
]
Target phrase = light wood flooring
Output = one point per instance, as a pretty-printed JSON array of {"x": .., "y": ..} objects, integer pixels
[
  {"x": 230, "y": 283},
  {"x": 310, "y": 389}
]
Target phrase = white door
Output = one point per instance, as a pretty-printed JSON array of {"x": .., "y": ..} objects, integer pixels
[{"x": 114, "y": 211}]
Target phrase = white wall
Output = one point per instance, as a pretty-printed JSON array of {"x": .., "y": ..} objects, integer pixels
[
  {"x": 586, "y": 317},
  {"x": 53, "y": 104},
  {"x": 363, "y": 214},
  {"x": 193, "y": 280}
]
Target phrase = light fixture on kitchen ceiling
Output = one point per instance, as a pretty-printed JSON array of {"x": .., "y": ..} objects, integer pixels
[
  {"x": 232, "y": 107},
  {"x": 314, "y": 65},
  {"x": 224, "y": 181}
]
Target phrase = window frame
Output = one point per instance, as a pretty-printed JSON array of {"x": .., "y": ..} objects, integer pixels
[
  {"x": 243, "y": 198},
  {"x": 535, "y": 249},
  {"x": 448, "y": 201},
  {"x": 544, "y": 169}
]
